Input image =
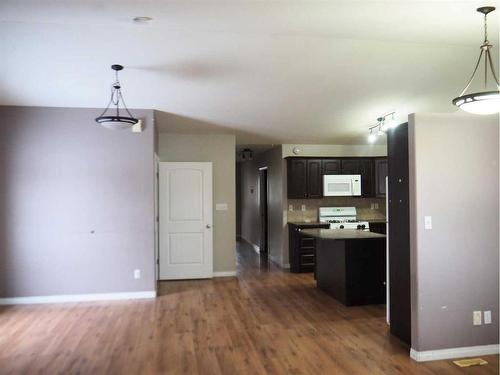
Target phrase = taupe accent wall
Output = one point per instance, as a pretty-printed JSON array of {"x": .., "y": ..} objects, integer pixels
[
  {"x": 454, "y": 177},
  {"x": 76, "y": 203},
  {"x": 220, "y": 150}
]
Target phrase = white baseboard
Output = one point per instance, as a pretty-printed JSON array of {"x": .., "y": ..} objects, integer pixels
[
  {"x": 286, "y": 266},
  {"x": 469, "y": 351},
  {"x": 224, "y": 274},
  {"x": 77, "y": 298},
  {"x": 256, "y": 248}
]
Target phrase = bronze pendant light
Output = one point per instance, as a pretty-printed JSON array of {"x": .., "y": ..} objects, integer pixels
[
  {"x": 116, "y": 121},
  {"x": 486, "y": 102}
]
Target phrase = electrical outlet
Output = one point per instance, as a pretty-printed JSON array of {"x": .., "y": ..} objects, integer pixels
[
  {"x": 376, "y": 206},
  {"x": 372, "y": 206},
  {"x": 487, "y": 317},
  {"x": 303, "y": 207},
  {"x": 137, "y": 274},
  {"x": 290, "y": 207},
  {"x": 476, "y": 318}
]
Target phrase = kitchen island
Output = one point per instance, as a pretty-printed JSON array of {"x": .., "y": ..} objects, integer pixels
[{"x": 350, "y": 264}]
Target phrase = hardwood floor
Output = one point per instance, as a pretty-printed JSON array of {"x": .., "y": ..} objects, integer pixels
[{"x": 265, "y": 321}]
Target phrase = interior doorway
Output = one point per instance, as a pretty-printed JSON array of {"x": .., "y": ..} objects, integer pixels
[{"x": 263, "y": 211}]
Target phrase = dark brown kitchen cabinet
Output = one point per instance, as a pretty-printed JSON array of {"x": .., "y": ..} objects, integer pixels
[
  {"x": 331, "y": 166},
  {"x": 314, "y": 178},
  {"x": 305, "y": 175},
  {"x": 302, "y": 249},
  {"x": 297, "y": 178},
  {"x": 381, "y": 169},
  {"x": 363, "y": 167},
  {"x": 304, "y": 178},
  {"x": 366, "y": 171},
  {"x": 350, "y": 166}
]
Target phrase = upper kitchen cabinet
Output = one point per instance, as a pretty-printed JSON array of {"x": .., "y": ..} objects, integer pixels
[
  {"x": 363, "y": 167},
  {"x": 305, "y": 175},
  {"x": 314, "y": 178},
  {"x": 380, "y": 175},
  {"x": 304, "y": 178},
  {"x": 331, "y": 166}
]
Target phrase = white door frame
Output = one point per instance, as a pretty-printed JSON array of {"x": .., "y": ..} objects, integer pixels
[
  {"x": 157, "y": 216},
  {"x": 175, "y": 232}
]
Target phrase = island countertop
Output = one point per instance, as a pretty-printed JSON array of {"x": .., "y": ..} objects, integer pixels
[{"x": 341, "y": 234}]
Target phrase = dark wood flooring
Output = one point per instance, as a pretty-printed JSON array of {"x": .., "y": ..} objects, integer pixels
[{"x": 265, "y": 321}]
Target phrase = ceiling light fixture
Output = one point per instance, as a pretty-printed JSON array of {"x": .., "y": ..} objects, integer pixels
[
  {"x": 116, "y": 122},
  {"x": 486, "y": 102},
  {"x": 372, "y": 137},
  {"x": 383, "y": 125}
]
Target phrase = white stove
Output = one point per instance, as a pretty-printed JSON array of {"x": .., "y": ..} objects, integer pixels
[{"x": 342, "y": 218}]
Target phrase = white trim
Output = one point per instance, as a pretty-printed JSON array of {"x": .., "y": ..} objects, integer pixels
[
  {"x": 76, "y": 298},
  {"x": 224, "y": 273},
  {"x": 286, "y": 266},
  {"x": 256, "y": 248},
  {"x": 468, "y": 351}
]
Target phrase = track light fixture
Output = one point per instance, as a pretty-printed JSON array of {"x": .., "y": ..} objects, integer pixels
[{"x": 384, "y": 124}]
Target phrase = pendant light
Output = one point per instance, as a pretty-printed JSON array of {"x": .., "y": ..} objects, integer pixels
[
  {"x": 486, "y": 102},
  {"x": 116, "y": 122}
]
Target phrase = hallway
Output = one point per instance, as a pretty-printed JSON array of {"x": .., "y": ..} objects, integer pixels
[{"x": 265, "y": 321}]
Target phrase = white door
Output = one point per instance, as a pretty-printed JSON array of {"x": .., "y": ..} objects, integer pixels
[{"x": 185, "y": 221}]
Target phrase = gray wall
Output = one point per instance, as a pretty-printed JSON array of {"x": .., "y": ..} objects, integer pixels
[
  {"x": 220, "y": 150},
  {"x": 250, "y": 220},
  {"x": 76, "y": 204},
  {"x": 453, "y": 178}
]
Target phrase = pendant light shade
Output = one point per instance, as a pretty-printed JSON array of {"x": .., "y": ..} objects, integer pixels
[
  {"x": 485, "y": 102},
  {"x": 116, "y": 121}
]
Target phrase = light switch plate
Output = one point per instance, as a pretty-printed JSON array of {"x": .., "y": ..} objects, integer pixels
[
  {"x": 290, "y": 207},
  {"x": 487, "y": 317},
  {"x": 221, "y": 206},
  {"x": 137, "y": 274},
  {"x": 476, "y": 318},
  {"x": 428, "y": 222},
  {"x": 303, "y": 207},
  {"x": 376, "y": 206}
]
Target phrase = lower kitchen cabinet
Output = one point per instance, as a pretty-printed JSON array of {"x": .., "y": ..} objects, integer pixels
[
  {"x": 378, "y": 227},
  {"x": 302, "y": 249}
]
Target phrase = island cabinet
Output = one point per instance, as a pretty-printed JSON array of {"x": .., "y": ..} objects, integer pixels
[
  {"x": 302, "y": 249},
  {"x": 351, "y": 265}
]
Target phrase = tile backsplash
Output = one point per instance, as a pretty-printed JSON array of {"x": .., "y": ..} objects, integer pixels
[{"x": 363, "y": 207}]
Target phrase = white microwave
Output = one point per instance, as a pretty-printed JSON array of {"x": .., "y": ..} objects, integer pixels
[{"x": 341, "y": 185}]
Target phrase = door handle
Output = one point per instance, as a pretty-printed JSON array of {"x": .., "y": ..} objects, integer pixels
[{"x": 208, "y": 226}]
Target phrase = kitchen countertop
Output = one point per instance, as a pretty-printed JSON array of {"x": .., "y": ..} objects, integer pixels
[
  {"x": 304, "y": 223},
  {"x": 341, "y": 234},
  {"x": 373, "y": 220}
]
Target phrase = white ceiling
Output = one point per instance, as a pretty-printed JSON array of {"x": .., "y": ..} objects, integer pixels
[{"x": 272, "y": 71}]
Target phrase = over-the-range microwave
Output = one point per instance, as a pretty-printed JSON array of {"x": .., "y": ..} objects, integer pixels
[{"x": 341, "y": 185}]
